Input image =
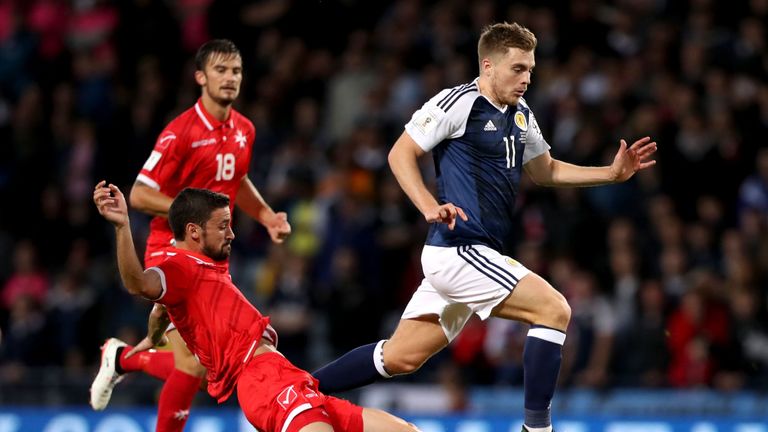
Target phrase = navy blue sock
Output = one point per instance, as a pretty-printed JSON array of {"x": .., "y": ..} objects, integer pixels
[
  {"x": 361, "y": 366},
  {"x": 541, "y": 364}
]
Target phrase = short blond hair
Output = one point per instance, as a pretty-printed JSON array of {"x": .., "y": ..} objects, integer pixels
[{"x": 498, "y": 38}]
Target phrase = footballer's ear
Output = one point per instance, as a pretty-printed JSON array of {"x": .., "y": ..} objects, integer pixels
[
  {"x": 200, "y": 78},
  {"x": 486, "y": 65},
  {"x": 193, "y": 231}
]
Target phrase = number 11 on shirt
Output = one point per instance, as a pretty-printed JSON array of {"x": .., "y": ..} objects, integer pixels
[{"x": 510, "y": 143}]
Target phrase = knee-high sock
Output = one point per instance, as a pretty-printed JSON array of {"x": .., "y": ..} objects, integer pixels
[
  {"x": 361, "y": 366},
  {"x": 541, "y": 363},
  {"x": 175, "y": 400},
  {"x": 158, "y": 364}
]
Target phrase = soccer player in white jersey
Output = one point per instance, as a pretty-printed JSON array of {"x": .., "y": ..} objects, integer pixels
[{"x": 482, "y": 134}]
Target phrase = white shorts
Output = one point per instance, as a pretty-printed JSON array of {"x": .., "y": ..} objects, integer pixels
[{"x": 460, "y": 281}]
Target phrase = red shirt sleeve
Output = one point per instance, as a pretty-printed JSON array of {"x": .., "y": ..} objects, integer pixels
[
  {"x": 173, "y": 274},
  {"x": 164, "y": 161}
]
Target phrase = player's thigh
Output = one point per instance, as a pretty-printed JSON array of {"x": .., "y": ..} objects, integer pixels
[
  {"x": 317, "y": 427},
  {"x": 375, "y": 420},
  {"x": 183, "y": 359},
  {"x": 535, "y": 301}
]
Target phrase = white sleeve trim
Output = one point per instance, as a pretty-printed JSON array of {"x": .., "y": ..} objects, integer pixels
[
  {"x": 148, "y": 181},
  {"x": 162, "y": 282}
]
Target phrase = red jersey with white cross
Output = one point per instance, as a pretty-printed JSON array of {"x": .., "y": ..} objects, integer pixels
[
  {"x": 196, "y": 150},
  {"x": 219, "y": 325}
]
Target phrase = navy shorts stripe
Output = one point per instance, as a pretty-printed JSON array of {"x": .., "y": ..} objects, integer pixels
[
  {"x": 500, "y": 273},
  {"x": 492, "y": 264},
  {"x": 504, "y": 284}
]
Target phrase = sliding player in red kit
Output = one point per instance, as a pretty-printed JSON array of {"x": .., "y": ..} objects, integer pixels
[
  {"x": 208, "y": 146},
  {"x": 227, "y": 333}
]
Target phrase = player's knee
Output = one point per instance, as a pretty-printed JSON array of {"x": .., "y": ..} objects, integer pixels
[
  {"x": 560, "y": 312},
  {"x": 403, "y": 364},
  {"x": 553, "y": 311},
  {"x": 189, "y": 365}
]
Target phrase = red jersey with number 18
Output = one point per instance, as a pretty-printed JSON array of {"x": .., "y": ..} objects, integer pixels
[
  {"x": 213, "y": 317},
  {"x": 196, "y": 150}
]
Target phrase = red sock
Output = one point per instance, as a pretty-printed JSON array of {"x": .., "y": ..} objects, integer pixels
[
  {"x": 175, "y": 400},
  {"x": 158, "y": 364}
]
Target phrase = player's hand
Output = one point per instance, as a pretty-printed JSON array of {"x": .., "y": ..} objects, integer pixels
[
  {"x": 445, "y": 213},
  {"x": 279, "y": 229},
  {"x": 630, "y": 160},
  {"x": 111, "y": 203},
  {"x": 144, "y": 345}
]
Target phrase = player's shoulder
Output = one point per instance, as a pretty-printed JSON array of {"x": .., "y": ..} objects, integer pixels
[
  {"x": 181, "y": 124},
  {"x": 242, "y": 121},
  {"x": 522, "y": 104},
  {"x": 172, "y": 258},
  {"x": 186, "y": 260},
  {"x": 184, "y": 117},
  {"x": 457, "y": 96}
]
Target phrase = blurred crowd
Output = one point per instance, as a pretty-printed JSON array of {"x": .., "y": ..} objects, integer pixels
[{"x": 666, "y": 274}]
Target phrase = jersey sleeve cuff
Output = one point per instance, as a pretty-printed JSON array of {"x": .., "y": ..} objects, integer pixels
[
  {"x": 418, "y": 138},
  {"x": 143, "y": 178},
  {"x": 161, "y": 273}
]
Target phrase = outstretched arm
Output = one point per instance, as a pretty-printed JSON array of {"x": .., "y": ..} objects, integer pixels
[
  {"x": 148, "y": 200},
  {"x": 551, "y": 172},
  {"x": 252, "y": 203},
  {"x": 111, "y": 204},
  {"x": 403, "y": 160}
]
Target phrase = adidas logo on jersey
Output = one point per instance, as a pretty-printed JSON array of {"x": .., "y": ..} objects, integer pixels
[{"x": 490, "y": 127}]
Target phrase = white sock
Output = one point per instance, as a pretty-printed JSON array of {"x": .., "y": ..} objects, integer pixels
[{"x": 544, "y": 429}]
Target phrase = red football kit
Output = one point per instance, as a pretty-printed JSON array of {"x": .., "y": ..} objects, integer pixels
[
  {"x": 196, "y": 150},
  {"x": 223, "y": 329}
]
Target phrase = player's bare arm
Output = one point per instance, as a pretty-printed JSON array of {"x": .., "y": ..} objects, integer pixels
[
  {"x": 111, "y": 204},
  {"x": 156, "y": 328},
  {"x": 403, "y": 160},
  {"x": 252, "y": 203},
  {"x": 148, "y": 200},
  {"x": 546, "y": 171}
]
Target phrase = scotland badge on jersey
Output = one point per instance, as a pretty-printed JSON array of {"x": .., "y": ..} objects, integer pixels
[{"x": 520, "y": 121}]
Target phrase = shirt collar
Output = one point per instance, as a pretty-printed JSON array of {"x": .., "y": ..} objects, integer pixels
[
  {"x": 200, "y": 258},
  {"x": 210, "y": 121}
]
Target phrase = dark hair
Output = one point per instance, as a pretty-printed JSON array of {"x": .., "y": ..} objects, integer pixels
[
  {"x": 216, "y": 46},
  {"x": 195, "y": 206},
  {"x": 497, "y": 38}
]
